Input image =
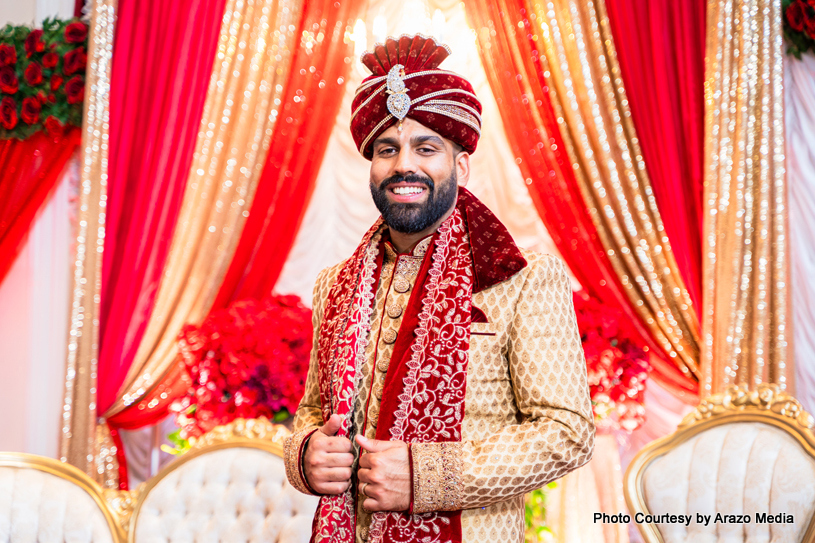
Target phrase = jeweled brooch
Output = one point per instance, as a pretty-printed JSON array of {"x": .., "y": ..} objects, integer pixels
[{"x": 398, "y": 101}]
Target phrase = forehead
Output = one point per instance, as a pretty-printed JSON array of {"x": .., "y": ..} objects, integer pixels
[{"x": 410, "y": 129}]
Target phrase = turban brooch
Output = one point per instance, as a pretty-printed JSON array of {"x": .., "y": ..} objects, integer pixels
[{"x": 406, "y": 82}]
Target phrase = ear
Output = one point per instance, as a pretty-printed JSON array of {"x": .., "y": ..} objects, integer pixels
[{"x": 463, "y": 168}]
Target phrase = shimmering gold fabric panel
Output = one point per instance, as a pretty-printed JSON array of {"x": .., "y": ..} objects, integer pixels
[
  {"x": 747, "y": 325},
  {"x": 248, "y": 78},
  {"x": 78, "y": 436},
  {"x": 580, "y": 67}
]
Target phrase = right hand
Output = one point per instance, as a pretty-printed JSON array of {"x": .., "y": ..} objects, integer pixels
[{"x": 328, "y": 459}]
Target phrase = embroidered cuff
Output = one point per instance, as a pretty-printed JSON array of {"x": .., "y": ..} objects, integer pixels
[
  {"x": 436, "y": 476},
  {"x": 293, "y": 457}
]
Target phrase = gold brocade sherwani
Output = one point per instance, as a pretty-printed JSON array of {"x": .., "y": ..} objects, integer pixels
[{"x": 527, "y": 419}]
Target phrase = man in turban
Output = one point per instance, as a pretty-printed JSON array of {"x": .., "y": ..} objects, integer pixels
[{"x": 447, "y": 376}]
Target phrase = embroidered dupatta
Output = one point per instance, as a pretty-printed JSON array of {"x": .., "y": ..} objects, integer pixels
[{"x": 423, "y": 397}]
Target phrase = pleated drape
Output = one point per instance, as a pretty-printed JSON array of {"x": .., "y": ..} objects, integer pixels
[
  {"x": 554, "y": 71},
  {"x": 747, "y": 320}
]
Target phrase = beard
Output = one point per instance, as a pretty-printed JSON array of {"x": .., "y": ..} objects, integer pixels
[{"x": 409, "y": 218}]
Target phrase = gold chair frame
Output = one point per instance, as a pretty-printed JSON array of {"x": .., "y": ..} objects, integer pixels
[
  {"x": 257, "y": 433},
  {"x": 106, "y": 500},
  {"x": 767, "y": 404}
]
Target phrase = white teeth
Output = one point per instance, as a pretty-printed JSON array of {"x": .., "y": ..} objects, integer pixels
[{"x": 407, "y": 190}]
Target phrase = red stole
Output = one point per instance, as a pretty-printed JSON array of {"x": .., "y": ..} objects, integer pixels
[{"x": 423, "y": 398}]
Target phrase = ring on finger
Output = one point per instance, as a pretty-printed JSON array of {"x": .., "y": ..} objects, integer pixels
[{"x": 362, "y": 490}]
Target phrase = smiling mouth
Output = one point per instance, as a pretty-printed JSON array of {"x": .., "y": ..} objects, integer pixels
[{"x": 406, "y": 193}]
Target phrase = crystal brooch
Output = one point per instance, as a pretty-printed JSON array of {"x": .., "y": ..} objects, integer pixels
[{"x": 398, "y": 101}]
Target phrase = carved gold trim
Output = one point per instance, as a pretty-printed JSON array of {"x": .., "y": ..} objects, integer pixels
[
  {"x": 257, "y": 433},
  {"x": 74, "y": 476},
  {"x": 767, "y": 404}
]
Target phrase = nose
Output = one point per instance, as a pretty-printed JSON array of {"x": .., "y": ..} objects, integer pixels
[{"x": 405, "y": 163}]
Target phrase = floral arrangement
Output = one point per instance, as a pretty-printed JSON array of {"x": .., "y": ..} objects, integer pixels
[
  {"x": 799, "y": 25},
  {"x": 617, "y": 367},
  {"x": 42, "y": 77},
  {"x": 245, "y": 361},
  {"x": 535, "y": 504}
]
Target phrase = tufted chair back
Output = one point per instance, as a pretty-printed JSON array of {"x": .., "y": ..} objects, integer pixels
[
  {"x": 231, "y": 487},
  {"x": 749, "y": 454},
  {"x": 42, "y": 500}
]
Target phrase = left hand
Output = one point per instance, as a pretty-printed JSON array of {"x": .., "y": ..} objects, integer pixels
[{"x": 384, "y": 475}]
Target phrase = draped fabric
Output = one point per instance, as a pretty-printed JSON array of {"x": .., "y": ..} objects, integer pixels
[
  {"x": 315, "y": 88},
  {"x": 155, "y": 110},
  {"x": 747, "y": 311},
  {"x": 799, "y": 82},
  {"x": 661, "y": 49},
  {"x": 30, "y": 169},
  {"x": 78, "y": 433},
  {"x": 552, "y": 71},
  {"x": 254, "y": 53}
]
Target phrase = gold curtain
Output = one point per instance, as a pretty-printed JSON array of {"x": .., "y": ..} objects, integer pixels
[
  {"x": 747, "y": 323},
  {"x": 245, "y": 92},
  {"x": 252, "y": 63},
  {"x": 580, "y": 68},
  {"x": 78, "y": 437}
]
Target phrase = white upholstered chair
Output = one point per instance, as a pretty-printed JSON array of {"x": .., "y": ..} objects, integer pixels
[
  {"x": 738, "y": 453},
  {"x": 230, "y": 487},
  {"x": 43, "y": 500}
]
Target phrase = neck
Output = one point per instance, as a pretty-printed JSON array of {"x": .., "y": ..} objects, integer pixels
[{"x": 404, "y": 243}]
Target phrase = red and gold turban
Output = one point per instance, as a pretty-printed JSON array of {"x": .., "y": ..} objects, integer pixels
[{"x": 406, "y": 82}]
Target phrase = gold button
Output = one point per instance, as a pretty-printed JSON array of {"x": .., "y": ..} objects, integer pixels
[
  {"x": 373, "y": 415},
  {"x": 394, "y": 310},
  {"x": 378, "y": 390},
  {"x": 382, "y": 365},
  {"x": 400, "y": 284},
  {"x": 363, "y": 533},
  {"x": 389, "y": 336}
]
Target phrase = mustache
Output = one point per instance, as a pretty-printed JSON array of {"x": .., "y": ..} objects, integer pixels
[{"x": 413, "y": 178}]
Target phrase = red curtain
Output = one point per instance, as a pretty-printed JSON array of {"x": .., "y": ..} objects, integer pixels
[
  {"x": 162, "y": 62},
  {"x": 313, "y": 97},
  {"x": 298, "y": 142},
  {"x": 661, "y": 49},
  {"x": 513, "y": 67},
  {"x": 30, "y": 170}
]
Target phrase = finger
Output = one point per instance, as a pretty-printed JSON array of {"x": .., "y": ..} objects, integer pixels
[
  {"x": 332, "y": 488},
  {"x": 332, "y": 425},
  {"x": 364, "y": 476},
  {"x": 375, "y": 445},
  {"x": 337, "y": 460},
  {"x": 336, "y": 445},
  {"x": 372, "y": 505},
  {"x": 365, "y": 461},
  {"x": 333, "y": 475}
]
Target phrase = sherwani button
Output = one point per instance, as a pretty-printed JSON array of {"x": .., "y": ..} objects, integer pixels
[
  {"x": 394, "y": 310},
  {"x": 400, "y": 284},
  {"x": 389, "y": 336},
  {"x": 382, "y": 365}
]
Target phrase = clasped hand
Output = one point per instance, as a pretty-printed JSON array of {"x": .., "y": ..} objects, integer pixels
[{"x": 384, "y": 468}]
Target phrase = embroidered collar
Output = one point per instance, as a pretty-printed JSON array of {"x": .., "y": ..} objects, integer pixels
[{"x": 495, "y": 256}]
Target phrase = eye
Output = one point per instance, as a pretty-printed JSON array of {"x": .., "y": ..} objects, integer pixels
[
  {"x": 385, "y": 151},
  {"x": 426, "y": 150}
]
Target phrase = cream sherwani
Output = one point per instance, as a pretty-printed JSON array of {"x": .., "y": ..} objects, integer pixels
[{"x": 528, "y": 417}]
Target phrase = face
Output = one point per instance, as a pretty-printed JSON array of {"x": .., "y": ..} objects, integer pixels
[{"x": 415, "y": 175}]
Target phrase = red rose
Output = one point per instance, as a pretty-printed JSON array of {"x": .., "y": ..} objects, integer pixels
[
  {"x": 8, "y": 80},
  {"x": 54, "y": 127},
  {"x": 8, "y": 55},
  {"x": 73, "y": 61},
  {"x": 33, "y": 74},
  {"x": 52, "y": 99},
  {"x": 795, "y": 15},
  {"x": 41, "y": 97},
  {"x": 34, "y": 43},
  {"x": 50, "y": 60},
  {"x": 809, "y": 27},
  {"x": 76, "y": 32},
  {"x": 31, "y": 110},
  {"x": 75, "y": 90},
  {"x": 8, "y": 113},
  {"x": 56, "y": 81}
]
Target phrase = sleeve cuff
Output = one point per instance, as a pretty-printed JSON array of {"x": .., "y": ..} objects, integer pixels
[
  {"x": 436, "y": 471},
  {"x": 293, "y": 457}
]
